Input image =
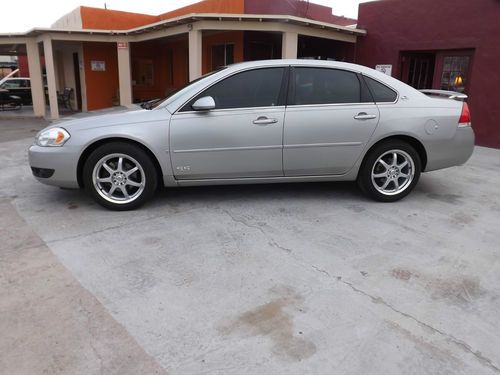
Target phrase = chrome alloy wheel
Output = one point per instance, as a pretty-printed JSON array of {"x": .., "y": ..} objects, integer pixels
[
  {"x": 393, "y": 172},
  {"x": 119, "y": 178}
]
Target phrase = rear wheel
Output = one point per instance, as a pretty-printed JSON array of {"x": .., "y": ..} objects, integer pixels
[
  {"x": 390, "y": 171},
  {"x": 119, "y": 176}
]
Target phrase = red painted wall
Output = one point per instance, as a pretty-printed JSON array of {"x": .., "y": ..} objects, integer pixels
[
  {"x": 430, "y": 25},
  {"x": 22, "y": 64},
  {"x": 296, "y": 8}
]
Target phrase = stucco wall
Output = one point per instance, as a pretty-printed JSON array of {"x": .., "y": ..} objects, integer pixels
[{"x": 429, "y": 25}]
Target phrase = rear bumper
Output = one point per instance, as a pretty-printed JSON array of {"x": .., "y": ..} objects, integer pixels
[
  {"x": 60, "y": 161},
  {"x": 453, "y": 152}
]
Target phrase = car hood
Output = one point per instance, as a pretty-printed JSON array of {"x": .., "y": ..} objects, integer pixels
[{"x": 139, "y": 116}]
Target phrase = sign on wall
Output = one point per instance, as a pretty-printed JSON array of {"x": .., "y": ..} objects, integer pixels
[
  {"x": 98, "y": 66},
  {"x": 386, "y": 69},
  {"x": 122, "y": 45}
]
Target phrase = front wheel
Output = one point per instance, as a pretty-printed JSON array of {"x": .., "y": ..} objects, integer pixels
[
  {"x": 390, "y": 171},
  {"x": 119, "y": 176}
]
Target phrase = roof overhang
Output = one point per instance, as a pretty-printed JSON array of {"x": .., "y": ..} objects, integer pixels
[{"x": 190, "y": 19}]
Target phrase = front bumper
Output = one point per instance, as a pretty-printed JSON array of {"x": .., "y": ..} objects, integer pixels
[{"x": 62, "y": 160}]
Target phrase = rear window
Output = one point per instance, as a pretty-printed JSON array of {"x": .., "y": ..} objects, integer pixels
[{"x": 381, "y": 93}]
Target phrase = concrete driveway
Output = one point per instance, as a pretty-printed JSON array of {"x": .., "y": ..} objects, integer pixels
[{"x": 269, "y": 279}]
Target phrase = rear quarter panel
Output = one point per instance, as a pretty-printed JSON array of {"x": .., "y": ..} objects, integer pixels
[{"x": 433, "y": 122}]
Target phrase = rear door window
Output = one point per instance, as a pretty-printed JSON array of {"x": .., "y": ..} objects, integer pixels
[{"x": 327, "y": 86}]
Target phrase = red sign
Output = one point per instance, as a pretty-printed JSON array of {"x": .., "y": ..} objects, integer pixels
[{"x": 122, "y": 45}]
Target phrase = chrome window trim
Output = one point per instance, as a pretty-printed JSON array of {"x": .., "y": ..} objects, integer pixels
[
  {"x": 331, "y": 105},
  {"x": 282, "y": 107}
]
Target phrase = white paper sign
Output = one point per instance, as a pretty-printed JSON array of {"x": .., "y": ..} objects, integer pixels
[
  {"x": 98, "y": 66},
  {"x": 386, "y": 69}
]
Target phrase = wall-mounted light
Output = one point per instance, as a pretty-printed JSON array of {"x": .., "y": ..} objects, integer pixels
[{"x": 459, "y": 81}]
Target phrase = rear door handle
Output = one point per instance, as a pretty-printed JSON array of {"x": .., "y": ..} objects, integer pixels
[
  {"x": 263, "y": 120},
  {"x": 364, "y": 116}
]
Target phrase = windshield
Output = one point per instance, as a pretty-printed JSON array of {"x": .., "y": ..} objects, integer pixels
[{"x": 152, "y": 104}]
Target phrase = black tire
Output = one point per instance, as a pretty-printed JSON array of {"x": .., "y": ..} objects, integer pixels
[
  {"x": 132, "y": 156},
  {"x": 373, "y": 187}
]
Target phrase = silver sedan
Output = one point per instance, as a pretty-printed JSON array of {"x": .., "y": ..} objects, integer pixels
[{"x": 263, "y": 122}]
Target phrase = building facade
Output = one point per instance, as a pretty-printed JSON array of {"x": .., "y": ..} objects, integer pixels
[
  {"x": 445, "y": 44},
  {"x": 118, "y": 58}
]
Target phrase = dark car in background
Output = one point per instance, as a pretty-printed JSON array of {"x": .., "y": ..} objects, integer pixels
[{"x": 18, "y": 87}]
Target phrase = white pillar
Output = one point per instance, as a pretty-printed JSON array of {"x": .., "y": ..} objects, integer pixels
[
  {"x": 51, "y": 77},
  {"x": 124, "y": 74},
  {"x": 195, "y": 54},
  {"x": 37, "y": 90},
  {"x": 290, "y": 43}
]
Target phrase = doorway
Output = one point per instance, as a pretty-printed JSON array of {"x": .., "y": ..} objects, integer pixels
[
  {"x": 418, "y": 69},
  {"x": 78, "y": 87}
]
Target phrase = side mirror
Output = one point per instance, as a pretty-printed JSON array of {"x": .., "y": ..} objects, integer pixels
[{"x": 204, "y": 104}]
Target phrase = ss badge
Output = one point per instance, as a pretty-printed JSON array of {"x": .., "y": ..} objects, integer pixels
[{"x": 184, "y": 168}]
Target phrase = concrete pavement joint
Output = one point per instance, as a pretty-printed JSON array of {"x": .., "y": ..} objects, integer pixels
[{"x": 379, "y": 300}]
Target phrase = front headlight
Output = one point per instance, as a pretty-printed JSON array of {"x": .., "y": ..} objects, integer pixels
[{"x": 55, "y": 137}]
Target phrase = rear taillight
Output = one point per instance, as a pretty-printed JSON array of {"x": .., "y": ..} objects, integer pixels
[{"x": 465, "y": 119}]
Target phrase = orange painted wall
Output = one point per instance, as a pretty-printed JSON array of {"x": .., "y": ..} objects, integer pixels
[
  {"x": 209, "y": 40},
  {"x": 107, "y": 19},
  {"x": 158, "y": 53},
  {"x": 208, "y": 6},
  {"x": 102, "y": 87},
  {"x": 95, "y": 18}
]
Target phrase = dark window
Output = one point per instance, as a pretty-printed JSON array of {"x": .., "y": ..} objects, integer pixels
[
  {"x": 222, "y": 55},
  {"x": 255, "y": 88},
  {"x": 13, "y": 84},
  {"x": 142, "y": 72},
  {"x": 326, "y": 86},
  {"x": 454, "y": 75},
  {"x": 381, "y": 93}
]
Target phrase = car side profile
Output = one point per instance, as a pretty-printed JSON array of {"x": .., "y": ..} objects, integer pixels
[{"x": 263, "y": 122}]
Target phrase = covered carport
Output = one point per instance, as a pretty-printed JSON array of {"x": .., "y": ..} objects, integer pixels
[{"x": 97, "y": 63}]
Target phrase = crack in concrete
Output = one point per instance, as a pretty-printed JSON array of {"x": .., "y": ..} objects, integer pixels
[
  {"x": 243, "y": 221},
  {"x": 273, "y": 243},
  {"x": 449, "y": 337}
]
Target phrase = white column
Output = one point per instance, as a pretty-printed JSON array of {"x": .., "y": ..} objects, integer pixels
[
  {"x": 290, "y": 43},
  {"x": 195, "y": 54},
  {"x": 124, "y": 74},
  {"x": 51, "y": 77},
  {"x": 37, "y": 90}
]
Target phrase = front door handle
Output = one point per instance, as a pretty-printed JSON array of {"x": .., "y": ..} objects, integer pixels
[
  {"x": 364, "y": 116},
  {"x": 263, "y": 120}
]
